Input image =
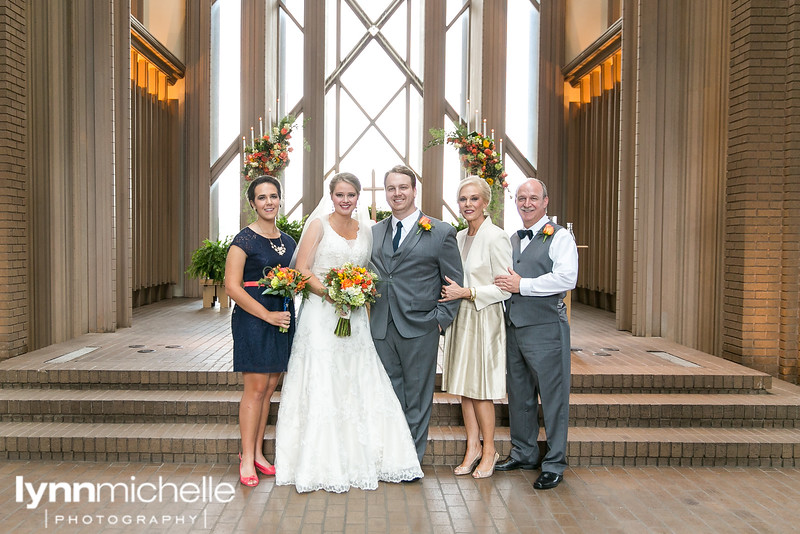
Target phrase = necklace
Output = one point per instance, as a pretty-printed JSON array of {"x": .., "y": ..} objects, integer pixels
[{"x": 280, "y": 250}]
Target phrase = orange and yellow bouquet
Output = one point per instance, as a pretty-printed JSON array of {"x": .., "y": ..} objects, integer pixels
[
  {"x": 284, "y": 282},
  {"x": 350, "y": 286}
]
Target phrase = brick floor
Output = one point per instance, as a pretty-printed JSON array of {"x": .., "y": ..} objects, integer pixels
[{"x": 591, "y": 499}]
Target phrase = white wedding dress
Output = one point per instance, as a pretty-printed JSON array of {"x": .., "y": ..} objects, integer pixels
[{"x": 340, "y": 424}]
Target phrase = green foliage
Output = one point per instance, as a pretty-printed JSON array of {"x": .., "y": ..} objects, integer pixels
[
  {"x": 459, "y": 224},
  {"x": 381, "y": 214},
  {"x": 208, "y": 261},
  {"x": 293, "y": 228}
]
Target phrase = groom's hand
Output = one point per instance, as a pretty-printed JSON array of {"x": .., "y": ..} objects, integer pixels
[{"x": 508, "y": 282}]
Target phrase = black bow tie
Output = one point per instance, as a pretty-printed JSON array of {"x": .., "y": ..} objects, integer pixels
[{"x": 524, "y": 233}]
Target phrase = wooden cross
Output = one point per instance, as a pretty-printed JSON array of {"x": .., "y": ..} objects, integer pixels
[{"x": 374, "y": 189}]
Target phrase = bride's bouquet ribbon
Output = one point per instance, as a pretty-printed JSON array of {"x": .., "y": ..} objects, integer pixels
[
  {"x": 284, "y": 282},
  {"x": 350, "y": 286}
]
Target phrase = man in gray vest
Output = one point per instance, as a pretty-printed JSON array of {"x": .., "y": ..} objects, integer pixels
[
  {"x": 545, "y": 267},
  {"x": 412, "y": 254}
]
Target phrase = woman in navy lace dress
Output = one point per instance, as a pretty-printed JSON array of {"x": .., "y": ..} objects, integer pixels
[{"x": 260, "y": 350}]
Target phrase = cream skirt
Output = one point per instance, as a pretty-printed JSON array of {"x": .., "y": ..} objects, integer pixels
[{"x": 474, "y": 363}]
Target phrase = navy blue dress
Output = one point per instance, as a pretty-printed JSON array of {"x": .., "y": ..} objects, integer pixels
[{"x": 258, "y": 347}]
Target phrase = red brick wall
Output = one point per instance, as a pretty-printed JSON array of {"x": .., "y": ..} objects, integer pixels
[
  {"x": 13, "y": 185},
  {"x": 762, "y": 259}
]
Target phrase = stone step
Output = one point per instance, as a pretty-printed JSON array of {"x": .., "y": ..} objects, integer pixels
[
  {"x": 676, "y": 380},
  {"x": 780, "y": 409},
  {"x": 209, "y": 443}
]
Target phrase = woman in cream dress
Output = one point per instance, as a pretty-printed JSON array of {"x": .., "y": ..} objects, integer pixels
[{"x": 474, "y": 364}]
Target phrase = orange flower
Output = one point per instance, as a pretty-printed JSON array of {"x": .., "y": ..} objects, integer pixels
[
  {"x": 424, "y": 223},
  {"x": 547, "y": 231}
]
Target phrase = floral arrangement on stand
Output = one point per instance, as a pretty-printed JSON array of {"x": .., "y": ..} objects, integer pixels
[
  {"x": 479, "y": 156},
  {"x": 268, "y": 153}
]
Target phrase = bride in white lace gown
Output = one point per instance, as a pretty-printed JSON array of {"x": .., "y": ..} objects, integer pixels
[{"x": 340, "y": 424}]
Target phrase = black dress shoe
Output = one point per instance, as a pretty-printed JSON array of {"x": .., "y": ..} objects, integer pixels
[
  {"x": 548, "y": 480},
  {"x": 510, "y": 464}
]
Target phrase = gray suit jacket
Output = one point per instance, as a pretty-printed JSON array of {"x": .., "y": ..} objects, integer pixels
[{"x": 411, "y": 279}]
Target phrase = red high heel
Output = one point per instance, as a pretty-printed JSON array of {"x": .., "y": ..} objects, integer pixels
[
  {"x": 250, "y": 482},
  {"x": 269, "y": 471}
]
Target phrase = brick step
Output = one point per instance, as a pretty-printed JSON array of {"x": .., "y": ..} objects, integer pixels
[
  {"x": 675, "y": 381},
  {"x": 776, "y": 410},
  {"x": 208, "y": 443}
]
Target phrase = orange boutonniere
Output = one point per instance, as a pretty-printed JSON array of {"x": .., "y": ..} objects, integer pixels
[
  {"x": 424, "y": 223},
  {"x": 547, "y": 231}
]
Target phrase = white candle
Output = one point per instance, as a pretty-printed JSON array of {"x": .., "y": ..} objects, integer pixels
[
  {"x": 260, "y": 128},
  {"x": 492, "y": 134},
  {"x": 477, "y": 119},
  {"x": 269, "y": 121},
  {"x": 483, "y": 132},
  {"x": 244, "y": 145},
  {"x": 252, "y": 136},
  {"x": 466, "y": 115},
  {"x": 501, "y": 150}
]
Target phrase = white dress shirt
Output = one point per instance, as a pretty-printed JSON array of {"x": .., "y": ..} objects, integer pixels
[
  {"x": 408, "y": 224},
  {"x": 564, "y": 254}
]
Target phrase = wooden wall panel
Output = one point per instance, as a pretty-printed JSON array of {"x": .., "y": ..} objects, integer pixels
[
  {"x": 592, "y": 180},
  {"x": 672, "y": 170},
  {"x": 72, "y": 238},
  {"x": 154, "y": 184}
]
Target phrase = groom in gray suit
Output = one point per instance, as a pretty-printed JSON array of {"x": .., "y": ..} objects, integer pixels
[{"x": 412, "y": 254}]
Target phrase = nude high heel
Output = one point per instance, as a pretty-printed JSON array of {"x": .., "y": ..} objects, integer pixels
[
  {"x": 490, "y": 472},
  {"x": 461, "y": 470}
]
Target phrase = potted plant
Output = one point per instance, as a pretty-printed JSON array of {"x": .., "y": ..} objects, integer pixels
[{"x": 208, "y": 264}]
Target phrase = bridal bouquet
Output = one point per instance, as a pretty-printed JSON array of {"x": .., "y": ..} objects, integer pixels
[
  {"x": 350, "y": 286},
  {"x": 284, "y": 282}
]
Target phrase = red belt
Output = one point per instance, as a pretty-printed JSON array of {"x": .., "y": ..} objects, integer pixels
[{"x": 250, "y": 284}]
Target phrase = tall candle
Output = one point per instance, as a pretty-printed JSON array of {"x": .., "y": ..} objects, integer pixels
[
  {"x": 492, "y": 134},
  {"x": 467, "y": 114},
  {"x": 484, "y": 128},
  {"x": 269, "y": 121},
  {"x": 252, "y": 137},
  {"x": 501, "y": 152},
  {"x": 260, "y": 128},
  {"x": 477, "y": 119}
]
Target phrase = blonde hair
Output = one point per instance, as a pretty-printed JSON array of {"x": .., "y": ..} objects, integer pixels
[{"x": 483, "y": 187}]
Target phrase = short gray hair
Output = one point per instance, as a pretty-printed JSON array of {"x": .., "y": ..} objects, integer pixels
[{"x": 544, "y": 187}]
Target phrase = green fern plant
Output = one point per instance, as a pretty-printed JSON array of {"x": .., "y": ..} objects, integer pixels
[
  {"x": 208, "y": 261},
  {"x": 293, "y": 228}
]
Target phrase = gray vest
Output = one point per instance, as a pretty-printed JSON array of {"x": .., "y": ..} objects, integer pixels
[{"x": 532, "y": 262}]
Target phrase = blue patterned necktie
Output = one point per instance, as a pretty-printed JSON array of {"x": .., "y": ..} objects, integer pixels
[
  {"x": 396, "y": 239},
  {"x": 524, "y": 233}
]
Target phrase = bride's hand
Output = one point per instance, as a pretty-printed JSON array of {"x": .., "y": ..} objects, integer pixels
[
  {"x": 453, "y": 291},
  {"x": 280, "y": 319}
]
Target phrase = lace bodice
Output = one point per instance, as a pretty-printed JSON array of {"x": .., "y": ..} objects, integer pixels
[{"x": 334, "y": 250}]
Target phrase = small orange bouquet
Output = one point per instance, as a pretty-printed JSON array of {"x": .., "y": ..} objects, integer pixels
[
  {"x": 284, "y": 282},
  {"x": 350, "y": 286}
]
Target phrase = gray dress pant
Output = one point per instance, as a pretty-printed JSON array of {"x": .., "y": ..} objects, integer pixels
[{"x": 538, "y": 364}]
